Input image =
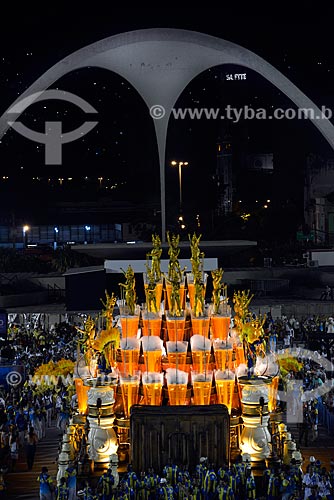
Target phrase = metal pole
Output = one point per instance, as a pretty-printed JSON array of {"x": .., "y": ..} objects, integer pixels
[{"x": 180, "y": 182}]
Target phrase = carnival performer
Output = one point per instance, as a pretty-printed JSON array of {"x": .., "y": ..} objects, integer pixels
[
  {"x": 71, "y": 481},
  {"x": 62, "y": 490},
  {"x": 105, "y": 485},
  {"x": 45, "y": 485}
]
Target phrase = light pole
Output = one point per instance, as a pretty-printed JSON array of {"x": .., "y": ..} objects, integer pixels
[
  {"x": 25, "y": 230},
  {"x": 87, "y": 231},
  {"x": 55, "y": 241},
  {"x": 180, "y": 164}
]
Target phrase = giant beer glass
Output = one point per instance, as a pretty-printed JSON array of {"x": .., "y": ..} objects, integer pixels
[
  {"x": 200, "y": 352},
  {"x": 225, "y": 380},
  {"x": 177, "y": 354},
  {"x": 151, "y": 323},
  {"x": 220, "y": 322},
  {"x": 202, "y": 384},
  {"x": 129, "y": 322},
  {"x": 130, "y": 389},
  {"x": 152, "y": 350},
  {"x": 130, "y": 355},
  {"x": 177, "y": 382},
  {"x": 175, "y": 326},
  {"x": 152, "y": 386},
  {"x": 223, "y": 354}
]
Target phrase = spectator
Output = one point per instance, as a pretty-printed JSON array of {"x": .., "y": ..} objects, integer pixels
[
  {"x": 32, "y": 441},
  {"x": 14, "y": 449},
  {"x": 45, "y": 485}
]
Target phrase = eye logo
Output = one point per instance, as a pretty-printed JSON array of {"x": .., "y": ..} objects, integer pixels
[
  {"x": 53, "y": 138},
  {"x": 294, "y": 395}
]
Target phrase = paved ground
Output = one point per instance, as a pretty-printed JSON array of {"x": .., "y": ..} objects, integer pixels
[
  {"x": 22, "y": 484},
  {"x": 322, "y": 448}
]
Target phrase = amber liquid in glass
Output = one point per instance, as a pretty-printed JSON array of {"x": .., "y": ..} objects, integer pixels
[
  {"x": 130, "y": 358},
  {"x": 202, "y": 392},
  {"x": 239, "y": 355},
  {"x": 177, "y": 360},
  {"x": 272, "y": 395},
  {"x": 130, "y": 395},
  {"x": 129, "y": 326},
  {"x": 152, "y": 361},
  {"x": 200, "y": 360},
  {"x": 82, "y": 394},
  {"x": 224, "y": 389},
  {"x": 220, "y": 326},
  {"x": 177, "y": 394},
  {"x": 152, "y": 326},
  {"x": 223, "y": 359},
  {"x": 152, "y": 394},
  {"x": 200, "y": 326},
  {"x": 191, "y": 293},
  {"x": 175, "y": 329}
]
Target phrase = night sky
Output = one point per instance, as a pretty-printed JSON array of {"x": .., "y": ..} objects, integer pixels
[{"x": 121, "y": 148}]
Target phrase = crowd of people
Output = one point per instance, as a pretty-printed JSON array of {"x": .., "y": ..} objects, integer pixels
[
  {"x": 26, "y": 413},
  {"x": 207, "y": 482}
]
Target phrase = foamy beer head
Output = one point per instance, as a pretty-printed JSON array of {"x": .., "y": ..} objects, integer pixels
[
  {"x": 224, "y": 375},
  {"x": 205, "y": 376},
  {"x": 221, "y": 344},
  {"x": 180, "y": 347},
  {"x": 151, "y": 343},
  {"x": 200, "y": 343},
  {"x": 175, "y": 376},
  {"x": 129, "y": 344},
  {"x": 152, "y": 378}
]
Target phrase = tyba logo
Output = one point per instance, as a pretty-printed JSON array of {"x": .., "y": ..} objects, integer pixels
[{"x": 53, "y": 138}]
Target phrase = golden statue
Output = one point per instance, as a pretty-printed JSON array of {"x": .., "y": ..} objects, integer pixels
[
  {"x": 87, "y": 340},
  {"x": 155, "y": 253},
  {"x": 196, "y": 254},
  {"x": 88, "y": 334},
  {"x": 241, "y": 301},
  {"x": 150, "y": 291},
  {"x": 175, "y": 297},
  {"x": 108, "y": 310},
  {"x": 173, "y": 252},
  {"x": 130, "y": 290},
  {"x": 199, "y": 294},
  {"x": 217, "y": 276}
]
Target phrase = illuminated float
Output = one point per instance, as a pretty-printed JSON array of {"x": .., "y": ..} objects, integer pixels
[{"x": 153, "y": 360}]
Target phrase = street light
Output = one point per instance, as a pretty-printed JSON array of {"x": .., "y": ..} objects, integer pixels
[
  {"x": 87, "y": 230},
  {"x": 180, "y": 164},
  {"x": 56, "y": 230},
  {"x": 25, "y": 230}
]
